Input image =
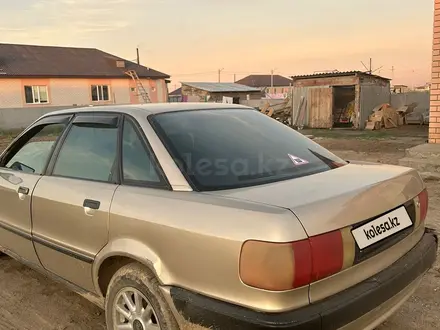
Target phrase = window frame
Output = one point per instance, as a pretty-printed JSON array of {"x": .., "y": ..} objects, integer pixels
[
  {"x": 94, "y": 117},
  {"x": 100, "y": 92},
  {"x": 105, "y": 118},
  {"x": 164, "y": 183},
  {"x": 22, "y": 139},
  {"x": 39, "y": 94}
]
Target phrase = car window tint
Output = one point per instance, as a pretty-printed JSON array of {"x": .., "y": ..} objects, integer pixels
[
  {"x": 136, "y": 159},
  {"x": 34, "y": 155},
  {"x": 226, "y": 149},
  {"x": 89, "y": 152}
]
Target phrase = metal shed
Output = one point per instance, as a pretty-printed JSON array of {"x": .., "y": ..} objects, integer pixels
[
  {"x": 214, "y": 92},
  {"x": 339, "y": 99}
]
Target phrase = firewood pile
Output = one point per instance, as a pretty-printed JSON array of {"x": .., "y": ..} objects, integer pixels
[
  {"x": 281, "y": 111},
  {"x": 385, "y": 116}
]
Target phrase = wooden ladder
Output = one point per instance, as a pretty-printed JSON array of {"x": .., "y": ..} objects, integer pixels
[{"x": 140, "y": 88}]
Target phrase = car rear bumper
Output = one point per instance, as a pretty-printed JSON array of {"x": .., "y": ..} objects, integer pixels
[{"x": 363, "y": 306}]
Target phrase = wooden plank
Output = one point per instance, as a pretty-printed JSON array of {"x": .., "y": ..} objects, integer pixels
[
  {"x": 370, "y": 125},
  {"x": 320, "y": 101}
]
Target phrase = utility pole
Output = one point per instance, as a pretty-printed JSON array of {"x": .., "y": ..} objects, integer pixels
[
  {"x": 271, "y": 78},
  {"x": 371, "y": 66},
  {"x": 235, "y": 78},
  {"x": 392, "y": 72},
  {"x": 219, "y": 73},
  {"x": 137, "y": 56}
]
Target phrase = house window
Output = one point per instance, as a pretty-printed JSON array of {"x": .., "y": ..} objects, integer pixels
[
  {"x": 100, "y": 93},
  {"x": 36, "y": 94}
]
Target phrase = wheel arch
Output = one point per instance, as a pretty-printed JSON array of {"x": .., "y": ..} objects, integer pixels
[{"x": 119, "y": 253}]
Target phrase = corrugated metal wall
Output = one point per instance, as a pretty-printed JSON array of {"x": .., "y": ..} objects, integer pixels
[{"x": 372, "y": 95}]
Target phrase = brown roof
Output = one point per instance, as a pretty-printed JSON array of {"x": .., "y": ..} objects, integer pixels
[
  {"x": 47, "y": 61},
  {"x": 338, "y": 74},
  {"x": 176, "y": 92},
  {"x": 264, "y": 80}
]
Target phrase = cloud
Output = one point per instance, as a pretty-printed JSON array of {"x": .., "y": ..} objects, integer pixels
[
  {"x": 61, "y": 21},
  {"x": 7, "y": 29}
]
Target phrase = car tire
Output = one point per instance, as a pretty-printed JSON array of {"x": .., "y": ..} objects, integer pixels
[{"x": 137, "y": 281}]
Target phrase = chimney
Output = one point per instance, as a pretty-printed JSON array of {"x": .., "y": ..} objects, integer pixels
[{"x": 120, "y": 63}]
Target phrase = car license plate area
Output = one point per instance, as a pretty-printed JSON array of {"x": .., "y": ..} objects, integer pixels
[{"x": 381, "y": 228}]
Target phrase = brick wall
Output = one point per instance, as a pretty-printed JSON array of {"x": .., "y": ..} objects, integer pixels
[{"x": 434, "y": 113}]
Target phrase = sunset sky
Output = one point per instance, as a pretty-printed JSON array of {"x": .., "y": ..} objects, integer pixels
[{"x": 192, "y": 39}]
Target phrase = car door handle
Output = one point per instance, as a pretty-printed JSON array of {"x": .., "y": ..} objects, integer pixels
[
  {"x": 91, "y": 204},
  {"x": 23, "y": 190}
]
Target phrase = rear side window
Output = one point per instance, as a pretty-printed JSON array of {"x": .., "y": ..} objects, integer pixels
[
  {"x": 137, "y": 164},
  {"x": 224, "y": 149},
  {"x": 89, "y": 152}
]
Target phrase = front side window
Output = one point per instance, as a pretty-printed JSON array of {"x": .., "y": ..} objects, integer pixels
[
  {"x": 36, "y": 94},
  {"x": 137, "y": 164},
  {"x": 34, "y": 155},
  {"x": 89, "y": 152},
  {"x": 100, "y": 93},
  {"x": 226, "y": 149}
]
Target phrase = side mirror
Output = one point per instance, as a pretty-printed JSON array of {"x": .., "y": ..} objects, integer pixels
[{"x": 22, "y": 167}]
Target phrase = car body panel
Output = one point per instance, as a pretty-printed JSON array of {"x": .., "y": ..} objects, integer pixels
[
  {"x": 68, "y": 245},
  {"x": 362, "y": 306},
  {"x": 213, "y": 236},
  {"x": 126, "y": 247},
  {"x": 15, "y": 219}
]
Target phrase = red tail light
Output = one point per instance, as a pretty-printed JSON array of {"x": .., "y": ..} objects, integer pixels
[
  {"x": 309, "y": 261},
  {"x": 327, "y": 255},
  {"x": 423, "y": 204}
]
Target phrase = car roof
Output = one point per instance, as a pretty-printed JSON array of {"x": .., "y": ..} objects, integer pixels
[{"x": 151, "y": 108}]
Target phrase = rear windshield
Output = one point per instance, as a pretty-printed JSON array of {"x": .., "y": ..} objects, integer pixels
[{"x": 233, "y": 148}]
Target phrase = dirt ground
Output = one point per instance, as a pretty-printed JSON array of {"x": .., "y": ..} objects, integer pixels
[{"x": 29, "y": 301}]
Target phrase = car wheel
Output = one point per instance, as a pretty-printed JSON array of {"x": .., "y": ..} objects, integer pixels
[{"x": 135, "y": 302}]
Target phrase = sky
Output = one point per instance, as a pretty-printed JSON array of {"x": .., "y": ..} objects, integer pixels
[{"x": 192, "y": 39}]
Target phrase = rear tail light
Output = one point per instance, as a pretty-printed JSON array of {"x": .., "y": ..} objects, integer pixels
[
  {"x": 281, "y": 267},
  {"x": 423, "y": 204},
  {"x": 267, "y": 266},
  {"x": 327, "y": 255}
]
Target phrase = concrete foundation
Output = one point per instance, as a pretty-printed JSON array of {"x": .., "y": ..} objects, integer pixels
[{"x": 425, "y": 158}]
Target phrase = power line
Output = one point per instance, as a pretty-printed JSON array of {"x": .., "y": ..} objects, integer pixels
[{"x": 192, "y": 74}]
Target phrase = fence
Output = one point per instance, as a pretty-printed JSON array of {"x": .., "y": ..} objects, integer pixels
[{"x": 421, "y": 98}]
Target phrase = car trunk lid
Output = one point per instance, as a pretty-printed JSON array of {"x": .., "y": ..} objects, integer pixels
[
  {"x": 342, "y": 197},
  {"x": 332, "y": 205}
]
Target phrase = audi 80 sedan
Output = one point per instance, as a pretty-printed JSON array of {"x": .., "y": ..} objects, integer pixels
[{"x": 168, "y": 215}]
